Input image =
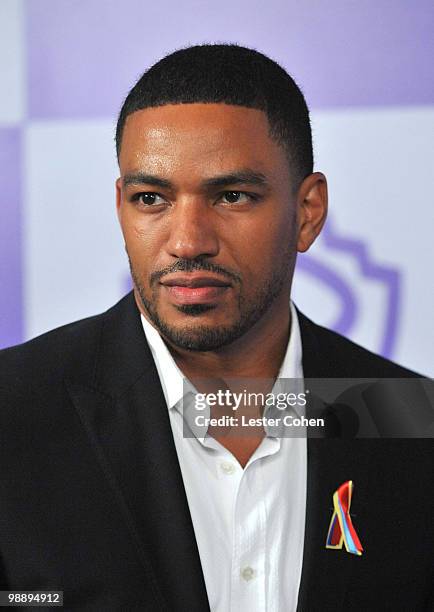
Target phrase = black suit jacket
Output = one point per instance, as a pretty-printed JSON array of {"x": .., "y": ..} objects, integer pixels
[{"x": 92, "y": 500}]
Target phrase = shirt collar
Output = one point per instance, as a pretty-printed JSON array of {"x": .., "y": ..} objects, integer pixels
[{"x": 176, "y": 386}]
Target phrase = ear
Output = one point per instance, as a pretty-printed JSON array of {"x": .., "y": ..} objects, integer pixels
[
  {"x": 118, "y": 186},
  {"x": 312, "y": 204}
]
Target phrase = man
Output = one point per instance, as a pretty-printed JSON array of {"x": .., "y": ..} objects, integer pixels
[{"x": 102, "y": 494}]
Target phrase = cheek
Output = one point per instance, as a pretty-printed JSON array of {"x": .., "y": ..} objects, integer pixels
[
  {"x": 137, "y": 240},
  {"x": 144, "y": 242},
  {"x": 264, "y": 243},
  {"x": 283, "y": 236}
]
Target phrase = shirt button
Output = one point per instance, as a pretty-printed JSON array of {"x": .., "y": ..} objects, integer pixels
[
  {"x": 247, "y": 573},
  {"x": 227, "y": 467}
]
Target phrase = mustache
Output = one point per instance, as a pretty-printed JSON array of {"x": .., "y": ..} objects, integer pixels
[{"x": 193, "y": 265}]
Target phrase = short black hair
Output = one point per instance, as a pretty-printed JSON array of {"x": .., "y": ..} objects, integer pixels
[{"x": 229, "y": 74}]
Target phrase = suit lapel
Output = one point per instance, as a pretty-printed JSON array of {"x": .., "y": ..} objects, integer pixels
[
  {"x": 330, "y": 462},
  {"x": 125, "y": 415}
]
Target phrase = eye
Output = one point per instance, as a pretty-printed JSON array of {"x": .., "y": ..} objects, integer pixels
[
  {"x": 148, "y": 198},
  {"x": 237, "y": 197}
]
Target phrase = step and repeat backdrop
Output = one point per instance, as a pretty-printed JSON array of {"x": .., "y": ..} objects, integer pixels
[{"x": 366, "y": 71}]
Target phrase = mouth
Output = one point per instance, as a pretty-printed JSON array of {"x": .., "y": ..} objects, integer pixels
[{"x": 195, "y": 288}]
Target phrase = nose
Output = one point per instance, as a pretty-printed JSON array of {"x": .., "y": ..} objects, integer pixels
[{"x": 192, "y": 231}]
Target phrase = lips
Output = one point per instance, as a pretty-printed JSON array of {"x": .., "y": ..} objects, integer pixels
[
  {"x": 194, "y": 281},
  {"x": 195, "y": 288}
]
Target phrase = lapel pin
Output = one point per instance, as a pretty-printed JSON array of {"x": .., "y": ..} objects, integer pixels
[{"x": 341, "y": 530}]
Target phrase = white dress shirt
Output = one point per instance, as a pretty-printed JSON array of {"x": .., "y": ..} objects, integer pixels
[{"x": 249, "y": 523}]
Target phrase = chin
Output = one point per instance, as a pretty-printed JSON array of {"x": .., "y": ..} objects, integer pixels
[
  {"x": 195, "y": 310},
  {"x": 202, "y": 336}
]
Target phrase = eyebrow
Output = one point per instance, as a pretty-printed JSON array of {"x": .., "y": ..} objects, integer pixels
[
  {"x": 140, "y": 178},
  {"x": 242, "y": 177}
]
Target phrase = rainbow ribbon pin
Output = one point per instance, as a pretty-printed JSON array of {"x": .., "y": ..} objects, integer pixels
[{"x": 341, "y": 530}]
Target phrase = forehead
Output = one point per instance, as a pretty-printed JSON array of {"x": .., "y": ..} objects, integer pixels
[{"x": 200, "y": 136}]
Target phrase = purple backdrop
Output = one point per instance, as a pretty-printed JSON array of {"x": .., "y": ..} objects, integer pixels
[{"x": 81, "y": 58}]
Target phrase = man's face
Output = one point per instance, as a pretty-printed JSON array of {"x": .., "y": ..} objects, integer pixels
[{"x": 209, "y": 218}]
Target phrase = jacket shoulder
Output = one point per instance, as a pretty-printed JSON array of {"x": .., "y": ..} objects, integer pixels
[
  {"x": 47, "y": 358},
  {"x": 345, "y": 358}
]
